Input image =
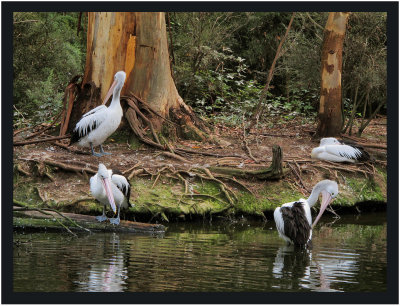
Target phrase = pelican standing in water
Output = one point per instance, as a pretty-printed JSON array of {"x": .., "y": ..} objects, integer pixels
[
  {"x": 98, "y": 124},
  {"x": 110, "y": 189},
  {"x": 332, "y": 149},
  {"x": 293, "y": 220}
]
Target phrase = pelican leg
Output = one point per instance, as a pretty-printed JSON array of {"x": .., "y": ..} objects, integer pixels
[
  {"x": 93, "y": 152},
  {"x": 115, "y": 220},
  {"x": 103, "y": 217},
  {"x": 102, "y": 151}
]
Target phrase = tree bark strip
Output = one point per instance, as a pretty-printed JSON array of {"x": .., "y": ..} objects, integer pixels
[{"x": 330, "y": 115}]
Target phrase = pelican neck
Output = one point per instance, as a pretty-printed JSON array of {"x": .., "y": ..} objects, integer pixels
[
  {"x": 314, "y": 195},
  {"x": 116, "y": 96}
]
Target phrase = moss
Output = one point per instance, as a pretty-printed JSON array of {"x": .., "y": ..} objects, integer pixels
[
  {"x": 193, "y": 133},
  {"x": 166, "y": 198},
  {"x": 27, "y": 193}
]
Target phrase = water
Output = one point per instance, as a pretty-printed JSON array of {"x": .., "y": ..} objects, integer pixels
[{"x": 349, "y": 255}]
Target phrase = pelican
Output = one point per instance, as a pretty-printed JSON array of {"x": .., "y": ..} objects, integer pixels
[
  {"x": 293, "y": 220},
  {"x": 110, "y": 189},
  {"x": 332, "y": 149},
  {"x": 98, "y": 124}
]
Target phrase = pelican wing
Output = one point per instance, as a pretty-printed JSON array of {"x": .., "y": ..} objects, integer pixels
[
  {"x": 280, "y": 226},
  {"x": 296, "y": 223},
  {"x": 122, "y": 184},
  {"x": 350, "y": 152},
  {"x": 89, "y": 122}
]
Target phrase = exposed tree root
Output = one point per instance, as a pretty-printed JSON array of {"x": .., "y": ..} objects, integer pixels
[
  {"x": 61, "y": 165},
  {"x": 22, "y": 143}
]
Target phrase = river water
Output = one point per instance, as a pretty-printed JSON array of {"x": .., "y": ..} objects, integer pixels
[{"x": 347, "y": 256}]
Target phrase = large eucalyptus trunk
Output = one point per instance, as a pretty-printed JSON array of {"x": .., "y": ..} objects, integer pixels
[
  {"x": 330, "y": 113},
  {"x": 135, "y": 42}
]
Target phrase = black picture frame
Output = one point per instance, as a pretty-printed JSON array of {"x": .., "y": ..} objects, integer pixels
[{"x": 390, "y": 296}]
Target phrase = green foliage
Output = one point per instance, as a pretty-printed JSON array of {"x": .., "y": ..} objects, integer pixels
[
  {"x": 364, "y": 60},
  {"x": 47, "y": 54},
  {"x": 222, "y": 61}
]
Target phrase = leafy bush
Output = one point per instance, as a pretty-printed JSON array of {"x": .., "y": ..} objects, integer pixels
[{"x": 47, "y": 54}]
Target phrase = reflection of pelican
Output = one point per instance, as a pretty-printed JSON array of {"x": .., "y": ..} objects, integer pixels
[
  {"x": 297, "y": 269},
  {"x": 291, "y": 261},
  {"x": 109, "y": 273}
]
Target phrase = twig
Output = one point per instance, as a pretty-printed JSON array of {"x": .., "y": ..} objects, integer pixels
[
  {"x": 130, "y": 169},
  {"x": 155, "y": 181}
]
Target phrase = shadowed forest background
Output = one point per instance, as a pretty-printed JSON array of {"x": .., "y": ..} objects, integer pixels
[{"x": 219, "y": 62}]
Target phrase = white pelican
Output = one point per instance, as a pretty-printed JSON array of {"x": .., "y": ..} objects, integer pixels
[
  {"x": 110, "y": 188},
  {"x": 293, "y": 220},
  {"x": 333, "y": 150},
  {"x": 98, "y": 124}
]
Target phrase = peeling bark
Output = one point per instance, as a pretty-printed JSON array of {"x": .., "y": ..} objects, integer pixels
[
  {"x": 330, "y": 115},
  {"x": 135, "y": 42}
]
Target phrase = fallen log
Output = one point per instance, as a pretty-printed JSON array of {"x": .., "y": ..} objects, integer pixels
[
  {"x": 273, "y": 172},
  {"x": 30, "y": 219}
]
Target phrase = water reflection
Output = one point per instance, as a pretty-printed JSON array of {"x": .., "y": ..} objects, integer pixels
[
  {"x": 107, "y": 275},
  {"x": 203, "y": 257}
]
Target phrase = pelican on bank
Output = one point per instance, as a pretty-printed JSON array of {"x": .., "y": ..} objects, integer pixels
[
  {"x": 293, "y": 220},
  {"x": 98, "y": 124},
  {"x": 110, "y": 188},
  {"x": 332, "y": 149}
]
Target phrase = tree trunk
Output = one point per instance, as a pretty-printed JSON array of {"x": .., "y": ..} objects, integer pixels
[
  {"x": 135, "y": 42},
  {"x": 330, "y": 117}
]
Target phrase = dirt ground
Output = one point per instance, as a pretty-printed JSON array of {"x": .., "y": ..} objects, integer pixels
[{"x": 295, "y": 139}]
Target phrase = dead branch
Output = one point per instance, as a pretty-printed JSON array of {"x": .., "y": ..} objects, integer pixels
[
  {"x": 259, "y": 108},
  {"x": 173, "y": 155},
  {"x": 245, "y": 143},
  {"x": 46, "y": 128},
  {"x": 131, "y": 168},
  {"x": 22, "y": 143},
  {"x": 69, "y": 92}
]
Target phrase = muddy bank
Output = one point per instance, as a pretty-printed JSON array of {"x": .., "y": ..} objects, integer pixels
[{"x": 166, "y": 188}]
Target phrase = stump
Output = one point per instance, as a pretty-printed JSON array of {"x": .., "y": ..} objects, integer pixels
[{"x": 273, "y": 172}]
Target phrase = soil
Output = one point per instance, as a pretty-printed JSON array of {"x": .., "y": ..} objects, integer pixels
[{"x": 65, "y": 188}]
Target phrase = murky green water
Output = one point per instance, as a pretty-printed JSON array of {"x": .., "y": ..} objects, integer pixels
[{"x": 349, "y": 255}]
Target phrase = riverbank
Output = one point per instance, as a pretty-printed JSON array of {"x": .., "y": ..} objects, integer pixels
[{"x": 169, "y": 188}]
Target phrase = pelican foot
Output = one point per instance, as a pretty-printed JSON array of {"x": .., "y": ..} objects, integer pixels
[
  {"x": 114, "y": 221},
  {"x": 97, "y": 154},
  {"x": 94, "y": 153},
  {"x": 101, "y": 218},
  {"x": 102, "y": 151}
]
